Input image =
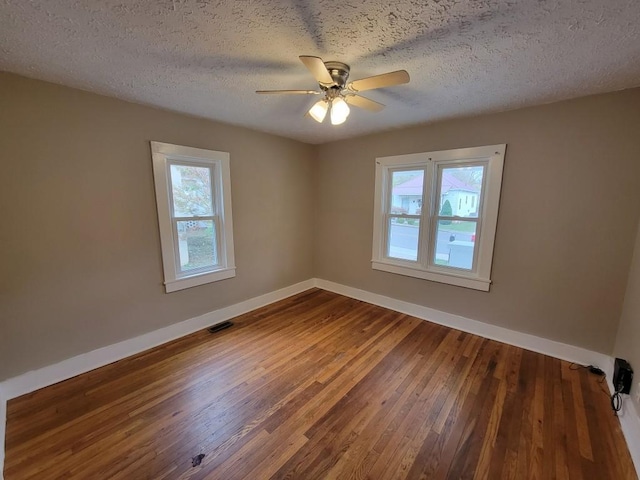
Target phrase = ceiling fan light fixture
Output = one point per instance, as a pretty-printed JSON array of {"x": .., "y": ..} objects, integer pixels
[
  {"x": 319, "y": 110},
  {"x": 332, "y": 78},
  {"x": 339, "y": 111}
]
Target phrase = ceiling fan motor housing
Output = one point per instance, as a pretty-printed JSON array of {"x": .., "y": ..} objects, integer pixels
[{"x": 339, "y": 73}]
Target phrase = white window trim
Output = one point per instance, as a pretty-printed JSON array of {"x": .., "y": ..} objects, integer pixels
[
  {"x": 163, "y": 154},
  {"x": 480, "y": 277}
]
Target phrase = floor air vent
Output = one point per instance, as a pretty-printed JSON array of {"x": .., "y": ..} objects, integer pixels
[{"x": 220, "y": 326}]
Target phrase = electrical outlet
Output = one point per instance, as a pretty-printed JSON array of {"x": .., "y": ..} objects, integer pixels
[{"x": 638, "y": 393}]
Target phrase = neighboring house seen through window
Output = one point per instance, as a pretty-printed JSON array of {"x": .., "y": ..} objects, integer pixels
[
  {"x": 193, "y": 194},
  {"x": 436, "y": 213}
]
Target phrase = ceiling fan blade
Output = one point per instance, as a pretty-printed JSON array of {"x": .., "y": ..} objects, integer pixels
[
  {"x": 380, "y": 81},
  {"x": 317, "y": 68},
  {"x": 290, "y": 92},
  {"x": 363, "y": 102}
]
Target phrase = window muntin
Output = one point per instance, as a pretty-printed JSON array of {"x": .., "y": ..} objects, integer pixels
[
  {"x": 194, "y": 212},
  {"x": 454, "y": 225}
]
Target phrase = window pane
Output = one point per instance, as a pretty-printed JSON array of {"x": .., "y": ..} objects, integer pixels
[
  {"x": 406, "y": 192},
  {"x": 403, "y": 238},
  {"x": 455, "y": 243},
  {"x": 191, "y": 191},
  {"x": 197, "y": 244},
  {"x": 460, "y": 189}
]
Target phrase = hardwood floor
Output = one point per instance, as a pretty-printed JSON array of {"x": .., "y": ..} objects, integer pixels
[{"x": 322, "y": 386}]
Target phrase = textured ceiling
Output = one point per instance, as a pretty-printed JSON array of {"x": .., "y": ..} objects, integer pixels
[{"x": 207, "y": 58}]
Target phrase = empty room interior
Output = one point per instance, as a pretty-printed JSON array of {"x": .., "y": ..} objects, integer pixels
[{"x": 318, "y": 239}]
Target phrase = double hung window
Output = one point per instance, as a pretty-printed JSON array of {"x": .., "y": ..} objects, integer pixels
[
  {"x": 436, "y": 214},
  {"x": 193, "y": 195}
]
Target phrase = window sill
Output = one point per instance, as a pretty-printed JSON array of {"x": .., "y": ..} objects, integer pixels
[
  {"x": 449, "y": 278},
  {"x": 199, "y": 279}
]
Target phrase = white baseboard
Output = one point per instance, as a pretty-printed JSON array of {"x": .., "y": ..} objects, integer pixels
[
  {"x": 630, "y": 423},
  {"x": 43, "y": 377},
  {"x": 493, "y": 332},
  {"x": 629, "y": 418},
  {"x": 69, "y": 368}
]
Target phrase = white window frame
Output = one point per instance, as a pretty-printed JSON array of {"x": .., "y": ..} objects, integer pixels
[
  {"x": 479, "y": 277},
  {"x": 164, "y": 155}
]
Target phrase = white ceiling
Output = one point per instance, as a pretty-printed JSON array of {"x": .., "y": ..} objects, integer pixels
[{"x": 207, "y": 57}]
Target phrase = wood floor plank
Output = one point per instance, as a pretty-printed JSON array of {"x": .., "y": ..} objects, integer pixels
[
  {"x": 526, "y": 391},
  {"x": 561, "y": 403},
  {"x": 574, "y": 462},
  {"x": 321, "y": 386}
]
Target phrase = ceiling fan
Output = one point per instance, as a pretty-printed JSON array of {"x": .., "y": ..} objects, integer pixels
[{"x": 337, "y": 93}]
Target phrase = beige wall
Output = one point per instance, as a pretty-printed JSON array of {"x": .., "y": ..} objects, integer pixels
[
  {"x": 628, "y": 342},
  {"x": 569, "y": 210},
  {"x": 79, "y": 243}
]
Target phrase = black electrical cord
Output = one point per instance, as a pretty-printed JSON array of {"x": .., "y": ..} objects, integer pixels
[
  {"x": 616, "y": 398},
  {"x": 592, "y": 368},
  {"x": 596, "y": 371},
  {"x": 616, "y": 402}
]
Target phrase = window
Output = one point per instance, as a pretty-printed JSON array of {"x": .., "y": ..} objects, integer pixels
[
  {"x": 445, "y": 240},
  {"x": 193, "y": 195}
]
